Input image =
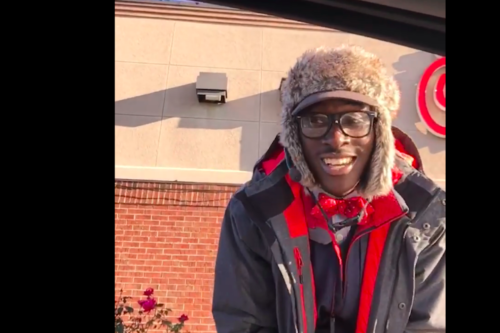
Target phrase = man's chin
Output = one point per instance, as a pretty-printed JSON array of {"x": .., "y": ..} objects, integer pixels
[{"x": 339, "y": 185}]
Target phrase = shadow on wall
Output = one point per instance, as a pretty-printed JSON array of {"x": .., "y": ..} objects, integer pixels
[
  {"x": 410, "y": 68},
  {"x": 181, "y": 103},
  {"x": 244, "y": 115}
]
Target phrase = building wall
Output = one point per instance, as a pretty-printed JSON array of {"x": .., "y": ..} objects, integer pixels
[
  {"x": 166, "y": 238},
  {"x": 163, "y": 133}
]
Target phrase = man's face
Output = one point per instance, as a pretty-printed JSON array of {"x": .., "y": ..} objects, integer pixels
[{"x": 337, "y": 160}]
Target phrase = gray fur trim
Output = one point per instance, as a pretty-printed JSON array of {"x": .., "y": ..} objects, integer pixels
[{"x": 348, "y": 68}]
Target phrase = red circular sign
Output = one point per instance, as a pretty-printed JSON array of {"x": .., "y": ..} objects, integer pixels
[{"x": 431, "y": 98}]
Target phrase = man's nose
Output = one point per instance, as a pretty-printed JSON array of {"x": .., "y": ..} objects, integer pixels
[{"x": 335, "y": 137}]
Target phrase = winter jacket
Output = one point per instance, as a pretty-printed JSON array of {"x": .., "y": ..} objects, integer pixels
[{"x": 389, "y": 279}]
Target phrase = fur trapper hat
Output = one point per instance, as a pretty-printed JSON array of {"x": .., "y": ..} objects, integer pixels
[{"x": 345, "y": 72}]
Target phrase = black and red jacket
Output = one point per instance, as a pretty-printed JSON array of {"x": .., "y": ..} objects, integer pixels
[{"x": 390, "y": 278}]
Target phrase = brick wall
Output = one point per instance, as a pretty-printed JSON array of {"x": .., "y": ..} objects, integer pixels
[{"x": 166, "y": 237}]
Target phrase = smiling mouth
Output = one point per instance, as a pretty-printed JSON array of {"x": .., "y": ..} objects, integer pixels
[
  {"x": 338, "y": 166},
  {"x": 343, "y": 161}
]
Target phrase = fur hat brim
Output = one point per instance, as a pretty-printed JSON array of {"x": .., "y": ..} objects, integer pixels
[{"x": 336, "y": 71}]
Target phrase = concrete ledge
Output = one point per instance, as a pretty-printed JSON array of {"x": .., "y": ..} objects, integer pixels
[
  {"x": 180, "y": 12},
  {"x": 205, "y": 176},
  {"x": 157, "y": 174}
]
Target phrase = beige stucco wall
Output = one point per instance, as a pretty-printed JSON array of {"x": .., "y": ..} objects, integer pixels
[{"x": 163, "y": 133}]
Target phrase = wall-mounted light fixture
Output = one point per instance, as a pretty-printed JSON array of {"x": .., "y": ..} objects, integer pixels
[
  {"x": 211, "y": 87},
  {"x": 281, "y": 85}
]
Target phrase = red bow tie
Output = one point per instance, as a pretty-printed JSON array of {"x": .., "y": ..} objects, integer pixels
[{"x": 347, "y": 207}]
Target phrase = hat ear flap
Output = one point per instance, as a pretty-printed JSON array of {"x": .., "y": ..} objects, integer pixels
[
  {"x": 378, "y": 174},
  {"x": 295, "y": 174}
]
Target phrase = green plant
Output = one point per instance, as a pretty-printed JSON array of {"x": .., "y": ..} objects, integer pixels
[{"x": 150, "y": 315}]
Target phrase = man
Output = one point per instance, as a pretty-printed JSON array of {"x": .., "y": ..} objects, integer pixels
[{"x": 339, "y": 229}]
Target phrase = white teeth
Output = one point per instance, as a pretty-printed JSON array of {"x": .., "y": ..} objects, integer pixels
[{"x": 338, "y": 161}]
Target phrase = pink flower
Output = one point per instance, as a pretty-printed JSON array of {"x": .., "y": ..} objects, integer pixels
[
  {"x": 148, "y": 292},
  {"x": 183, "y": 318},
  {"x": 147, "y": 304}
]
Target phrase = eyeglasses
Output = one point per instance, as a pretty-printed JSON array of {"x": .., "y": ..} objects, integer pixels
[{"x": 355, "y": 124}]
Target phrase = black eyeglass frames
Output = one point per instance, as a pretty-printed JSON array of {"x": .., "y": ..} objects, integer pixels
[{"x": 355, "y": 124}]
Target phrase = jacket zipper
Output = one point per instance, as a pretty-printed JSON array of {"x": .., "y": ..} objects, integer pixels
[
  {"x": 299, "y": 262},
  {"x": 298, "y": 259},
  {"x": 343, "y": 266},
  {"x": 355, "y": 239}
]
